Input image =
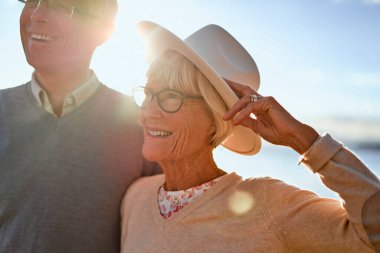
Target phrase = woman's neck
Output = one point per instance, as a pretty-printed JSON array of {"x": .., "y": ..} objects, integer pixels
[{"x": 186, "y": 173}]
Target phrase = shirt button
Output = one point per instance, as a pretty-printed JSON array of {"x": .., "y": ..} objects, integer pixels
[{"x": 70, "y": 100}]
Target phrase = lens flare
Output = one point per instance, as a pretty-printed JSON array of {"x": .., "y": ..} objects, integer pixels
[{"x": 241, "y": 202}]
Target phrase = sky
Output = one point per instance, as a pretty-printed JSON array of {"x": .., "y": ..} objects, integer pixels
[{"x": 319, "y": 58}]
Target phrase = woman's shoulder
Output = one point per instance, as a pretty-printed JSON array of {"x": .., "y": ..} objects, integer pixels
[
  {"x": 143, "y": 189},
  {"x": 271, "y": 190},
  {"x": 275, "y": 193},
  {"x": 144, "y": 184},
  {"x": 264, "y": 183},
  {"x": 268, "y": 183}
]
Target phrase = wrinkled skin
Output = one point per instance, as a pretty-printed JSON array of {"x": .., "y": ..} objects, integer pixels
[
  {"x": 273, "y": 122},
  {"x": 186, "y": 153}
]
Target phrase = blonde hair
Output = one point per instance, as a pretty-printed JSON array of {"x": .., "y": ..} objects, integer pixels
[
  {"x": 179, "y": 73},
  {"x": 104, "y": 9}
]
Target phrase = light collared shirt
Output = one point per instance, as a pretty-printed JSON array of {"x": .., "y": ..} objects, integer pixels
[{"x": 72, "y": 100}]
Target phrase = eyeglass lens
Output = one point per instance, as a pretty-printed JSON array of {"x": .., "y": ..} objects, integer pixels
[{"x": 168, "y": 100}]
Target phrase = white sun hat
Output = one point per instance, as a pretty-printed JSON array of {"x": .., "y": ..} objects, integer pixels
[{"x": 217, "y": 55}]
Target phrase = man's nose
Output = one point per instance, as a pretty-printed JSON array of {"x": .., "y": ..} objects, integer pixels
[{"x": 39, "y": 13}]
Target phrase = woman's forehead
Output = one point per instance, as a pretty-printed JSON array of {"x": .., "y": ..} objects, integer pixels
[{"x": 158, "y": 85}]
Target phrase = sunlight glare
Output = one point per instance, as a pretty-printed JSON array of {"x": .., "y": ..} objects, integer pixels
[{"x": 241, "y": 202}]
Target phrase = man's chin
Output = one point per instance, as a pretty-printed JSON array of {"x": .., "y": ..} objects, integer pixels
[{"x": 41, "y": 65}]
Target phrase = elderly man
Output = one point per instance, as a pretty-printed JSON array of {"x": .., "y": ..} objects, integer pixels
[{"x": 69, "y": 145}]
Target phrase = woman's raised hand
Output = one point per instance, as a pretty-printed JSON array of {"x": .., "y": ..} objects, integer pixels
[{"x": 272, "y": 122}]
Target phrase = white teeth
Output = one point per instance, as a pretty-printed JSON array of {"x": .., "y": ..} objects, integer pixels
[
  {"x": 41, "y": 37},
  {"x": 159, "y": 133}
]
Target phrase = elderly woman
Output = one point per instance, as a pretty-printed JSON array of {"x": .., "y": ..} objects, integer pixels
[{"x": 186, "y": 111}]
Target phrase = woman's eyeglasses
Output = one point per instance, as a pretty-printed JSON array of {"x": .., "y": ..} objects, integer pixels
[{"x": 169, "y": 100}]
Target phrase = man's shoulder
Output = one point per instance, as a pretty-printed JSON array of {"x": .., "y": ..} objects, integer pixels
[
  {"x": 118, "y": 102},
  {"x": 114, "y": 96},
  {"x": 13, "y": 91},
  {"x": 14, "y": 95},
  {"x": 111, "y": 91}
]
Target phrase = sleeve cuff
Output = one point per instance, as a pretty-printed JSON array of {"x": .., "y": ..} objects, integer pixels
[{"x": 322, "y": 150}]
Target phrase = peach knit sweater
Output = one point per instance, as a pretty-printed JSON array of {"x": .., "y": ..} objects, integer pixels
[{"x": 261, "y": 214}]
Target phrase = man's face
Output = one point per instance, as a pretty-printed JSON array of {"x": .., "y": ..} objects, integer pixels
[{"x": 52, "y": 39}]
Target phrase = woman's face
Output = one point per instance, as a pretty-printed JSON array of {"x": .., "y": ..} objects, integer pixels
[{"x": 175, "y": 136}]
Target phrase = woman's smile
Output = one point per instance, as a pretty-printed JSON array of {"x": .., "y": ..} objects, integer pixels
[{"x": 158, "y": 133}]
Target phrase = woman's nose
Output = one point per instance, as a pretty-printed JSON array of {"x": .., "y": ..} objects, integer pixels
[{"x": 151, "y": 107}]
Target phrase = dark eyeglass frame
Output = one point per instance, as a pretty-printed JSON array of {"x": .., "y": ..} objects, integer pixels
[
  {"x": 152, "y": 95},
  {"x": 71, "y": 13}
]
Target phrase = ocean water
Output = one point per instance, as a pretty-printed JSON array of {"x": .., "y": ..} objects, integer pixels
[{"x": 281, "y": 163}]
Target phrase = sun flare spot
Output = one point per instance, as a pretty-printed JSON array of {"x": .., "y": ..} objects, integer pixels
[{"x": 241, "y": 202}]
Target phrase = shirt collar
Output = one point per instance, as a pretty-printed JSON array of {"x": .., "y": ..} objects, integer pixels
[{"x": 72, "y": 100}]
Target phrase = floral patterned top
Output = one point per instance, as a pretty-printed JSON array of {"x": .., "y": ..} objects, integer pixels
[{"x": 171, "y": 202}]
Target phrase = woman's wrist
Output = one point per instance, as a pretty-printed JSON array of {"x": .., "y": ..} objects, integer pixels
[{"x": 303, "y": 139}]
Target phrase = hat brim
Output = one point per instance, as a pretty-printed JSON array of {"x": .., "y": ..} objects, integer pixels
[{"x": 242, "y": 140}]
